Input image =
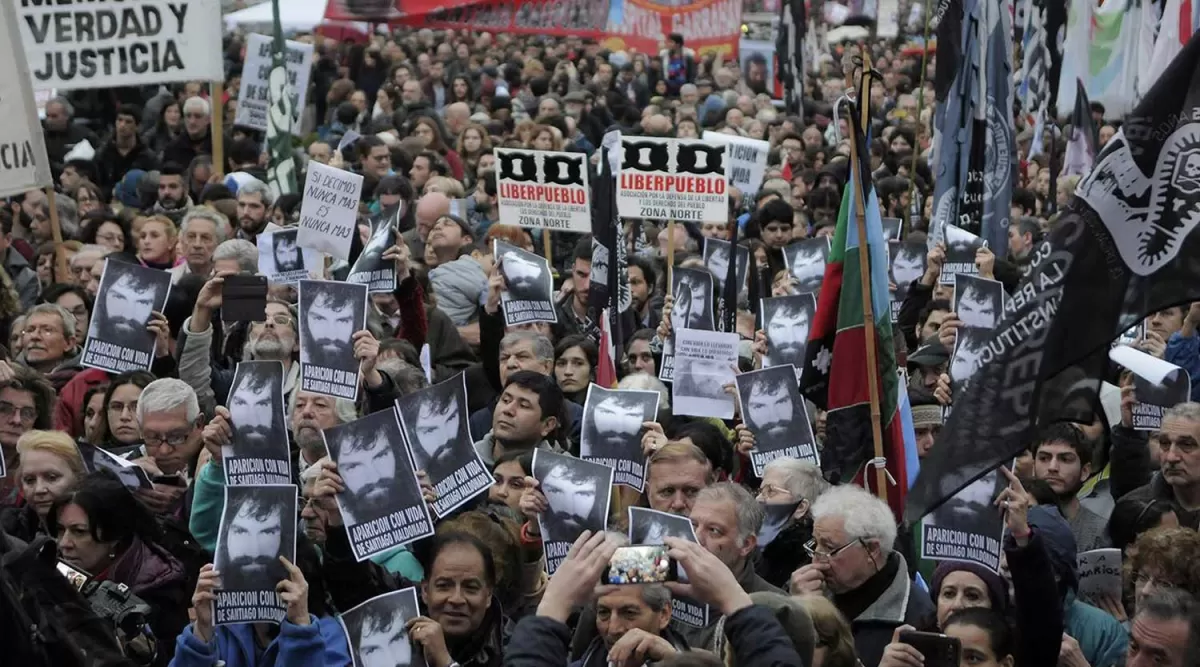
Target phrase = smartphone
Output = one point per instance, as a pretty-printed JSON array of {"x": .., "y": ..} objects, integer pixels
[
  {"x": 244, "y": 298},
  {"x": 641, "y": 565},
  {"x": 939, "y": 650}
]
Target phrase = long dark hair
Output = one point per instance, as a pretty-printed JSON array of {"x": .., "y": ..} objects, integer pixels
[
  {"x": 139, "y": 379},
  {"x": 114, "y": 515}
]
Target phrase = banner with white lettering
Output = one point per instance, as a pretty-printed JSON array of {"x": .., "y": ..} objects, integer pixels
[
  {"x": 545, "y": 189},
  {"x": 118, "y": 339},
  {"x": 254, "y": 94},
  {"x": 258, "y": 525},
  {"x": 747, "y": 160},
  {"x": 75, "y": 44},
  {"x": 967, "y": 528},
  {"x": 23, "y": 162},
  {"x": 673, "y": 179},
  {"x": 329, "y": 212}
]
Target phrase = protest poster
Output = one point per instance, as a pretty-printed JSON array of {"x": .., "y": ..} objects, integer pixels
[
  {"x": 648, "y": 527},
  {"x": 330, "y": 314},
  {"x": 258, "y": 453},
  {"x": 716, "y": 255},
  {"x": 672, "y": 179},
  {"x": 282, "y": 260},
  {"x": 529, "y": 296},
  {"x": 786, "y": 321},
  {"x": 371, "y": 269},
  {"x": 705, "y": 361},
  {"x": 908, "y": 260},
  {"x": 1157, "y": 385},
  {"x": 254, "y": 95},
  {"x": 329, "y": 210},
  {"x": 774, "y": 411},
  {"x": 377, "y": 631},
  {"x": 756, "y": 57},
  {"x": 747, "y": 161},
  {"x": 382, "y": 505},
  {"x": 434, "y": 421},
  {"x": 960, "y": 253},
  {"x": 258, "y": 525},
  {"x": 891, "y": 229},
  {"x": 1099, "y": 574},
  {"x": 81, "y": 44},
  {"x": 23, "y": 162},
  {"x": 612, "y": 431},
  {"x": 117, "y": 337},
  {"x": 95, "y": 458},
  {"x": 967, "y": 527},
  {"x": 693, "y": 299},
  {"x": 543, "y": 189},
  {"x": 805, "y": 260},
  {"x": 577, "y": 495},
  {"x": 979, "y": 303}
]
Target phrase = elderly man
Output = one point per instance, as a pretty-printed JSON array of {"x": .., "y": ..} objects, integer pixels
[
  {"x": 51, "y": 343},
  {"x": 430, "y": 208},
  {"x": 855, "y": 565},
  {"x": 1165, "y": 630},
  {"x": 675, "y": 474},
  {"x": 26, "y": 403},
  {"x": 201, "y": 231},
  {"x": 196, "y": 138},
  {"x": 61, "y": 133},
  {"x": 1178, "y": 479},
  {"x": 632, "y": 621},
  {"x": 235, "y": 256},
  {"x": 458, "y": 116}
]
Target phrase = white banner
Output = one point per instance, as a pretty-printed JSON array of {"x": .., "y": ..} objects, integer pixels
[
  {"x": 673, "y": 179},
  {"x": 747, "y": 161},
  {"x": 253, "y": 97},
  {"x": 545, "y": 189},
  {"x": 74, "y": 44},
  {"x": 329, "y": 211},
  {"x": 23, "y": 162}
]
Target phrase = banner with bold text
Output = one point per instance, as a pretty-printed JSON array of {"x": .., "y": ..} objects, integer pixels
[
  {"x": 254, "y": 94},
  {"x": 23, "y": 162},
  {"x": 673, "y": 179},
  {"x": 543, "y": 189}
]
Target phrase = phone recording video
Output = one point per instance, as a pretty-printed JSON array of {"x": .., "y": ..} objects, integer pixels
[{"x": 640, "y": 565}]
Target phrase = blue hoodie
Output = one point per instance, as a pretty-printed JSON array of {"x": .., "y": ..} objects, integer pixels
[{"x": 319, "y": 644}]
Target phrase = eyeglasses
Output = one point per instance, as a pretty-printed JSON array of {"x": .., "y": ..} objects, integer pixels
[
  {"x": 816, "y": 554},
  {"x": 110, "y": 238},
  {"x": 769, "y": 491},
  {"x": 278, "y": 320},
  {"x": 174, "y": 439},
  {"x": 8, "y": 409}
]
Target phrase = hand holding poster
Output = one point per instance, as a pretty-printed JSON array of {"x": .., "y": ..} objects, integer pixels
[
  {"x": 705, "y": 362},
  {"x": 117, "y": 337},
  {"x": 774, "y": 411},
  {"x": 434, "y": 420},
  {"x": 968, "y": 526},
  {"x": 1157, "y": 385},
  {"x": 23, "y": 162},
  {"x": 283, "y": 261},
  {"x": 960, "y": 254},
  {"x": 77, "y": 45},
  {"x": 747, "y": 161},
  {"x": 330, "y": 314},
  {"x": 529, "y": 296},
  {"x": 382, "y": 505},
  {"x": 254, "y": 94},
  {"x": 329, "y": 212},
  {"x": 648, "y": 527},
  {"x": 259, "y": 451},
  {"x": 672, "y": 179},
  {"x": 258, "y": 525},
  {"x": 979, "y": 303},
  {"x": 377, "y": 631},
  {"x": 371, "y": 269},
  {"x": 545, "y": 189},
  {"x": 1099, "y": 576},
  {"x": 612, "y": 431},
  {"x": 577, "y": 495}
]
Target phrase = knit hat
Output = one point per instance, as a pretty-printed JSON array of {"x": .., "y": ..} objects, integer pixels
[
  {"x": 997, "y": 588},
  {"x": 127, "y": 191}
]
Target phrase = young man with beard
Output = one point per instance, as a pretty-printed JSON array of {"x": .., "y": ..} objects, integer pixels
[
  {"x": 646, "y": 303},
  {"x": 1062, "y": 457},
  {"x": 254, "y": 202},
  {"x": 173, "y": 198}
]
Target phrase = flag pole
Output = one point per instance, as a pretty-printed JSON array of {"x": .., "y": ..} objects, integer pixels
[
  {"x": 906, "y": 223},
  {"x": 864, "y": 269},
  {"x": 217, "y": 92}
]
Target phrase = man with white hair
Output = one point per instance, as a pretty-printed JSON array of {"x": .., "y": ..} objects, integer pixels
[
  {"x": 235, "y": 256},
  {"x": 201, "y": 231},
  {"x": 855, "y": 565},
  {"x": 196, "y": 138},
  {"x": 81, "y": 264}
]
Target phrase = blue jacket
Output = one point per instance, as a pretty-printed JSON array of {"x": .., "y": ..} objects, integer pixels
[
  {"x": 319, "y": 644},
  {"x": 1102, "y": 639},
  {"x": 1185, "y": 353}
]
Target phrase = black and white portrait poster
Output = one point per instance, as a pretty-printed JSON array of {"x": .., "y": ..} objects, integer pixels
[
  {"x": 692, "y": 307},
  {"x": 282, "y": 260},
  {"x": 330, "y": 314},
  {"x": 960, "y": 254},
  {"x": 370, "y": 268},
  {"x": 648, "y": 527},
  {"x": 377, "y": 631},
  {"x": 968, "y": 526},
  {"x": 1157, "y": 385},
  {"x": 434, "y": 420},
  {"x": 258, "y": 525},
  {"x": 907, "y": 265},
  {"x": 891, "y": 229},
  {"x": 259, "y": 453},
  {"x": 577, "y": 495},
  {"x": 612, "y": 431},
  {"x": 805, "y": 260},
  {"x": 382, "y": 505},
  {"x": 117, "y": 337},
  {"x": 776, "y": 518},
  {"x": 705, "y": 362},
  {"x": 774, "y": 411},
  {"x": 979, "y": 303},
  {"x": 716, "y": 258},
  {"x": 786, "y": 321},
  {"x": 529, "y": 297},
  {"x": 132, "y": 475}
]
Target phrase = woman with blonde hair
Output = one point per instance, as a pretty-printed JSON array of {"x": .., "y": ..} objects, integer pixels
[
  {"x": 50, "y": 466},
  {"x": 157, "y": 238},
  {"x": 834, "y": 640}
]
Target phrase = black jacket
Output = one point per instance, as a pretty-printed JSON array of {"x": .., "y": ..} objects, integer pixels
[
  {"x": 1039, "y": 610},
  {"x": 112, "y": 166}
]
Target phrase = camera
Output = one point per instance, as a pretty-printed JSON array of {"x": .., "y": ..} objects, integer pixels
[{"x": 117, "y": 604}]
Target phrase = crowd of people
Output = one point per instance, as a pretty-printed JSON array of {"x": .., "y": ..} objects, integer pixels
[{"x": 840, "y": 585}]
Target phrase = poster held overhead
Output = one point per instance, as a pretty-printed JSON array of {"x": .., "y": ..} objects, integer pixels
[
  {"x": 258, "y": 453},
  {"x": 649, "y": 527},
  {"x": 281, "y": 258},
  {"x": 805, "y": 260},
  {"x": 786, "y": 321},
  {"x": 543, "y": 189},
  {"x": 1157, "y": 385},
  {"x": 329, "y": 211},
  {"x": 23, "y": 162},
  {"x": 747, "y": 161},
  {"x": 968, "y": 526},
  {"x": 530, "y": 293},
  {"x": 612, "y": 431},
  {"x": 673, "y": 179},
  {"x": 330, "y": 314},
  {"x": 254, "y": 95},
  {"x": 774, "y": 411},
  {"x": 704, "y": 364},
  {"x": 371, "y": 269},
  {"x": 577, "y": 494},
  {"x": 117, "y": 337}
]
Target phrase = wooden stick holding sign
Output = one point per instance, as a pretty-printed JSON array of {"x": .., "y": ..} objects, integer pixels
[
  {"x": 217, "y": 89},
  {"x": 63, "y": 272},
  {"x": 548, "y": 244},
  {"x": 670, "y": 256}
]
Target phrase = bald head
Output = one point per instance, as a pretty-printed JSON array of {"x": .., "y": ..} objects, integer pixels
[
  {"x": 458, "y": 116},
  {"x": 429, "y": 208},
  {"x": 658, "y": 124}
]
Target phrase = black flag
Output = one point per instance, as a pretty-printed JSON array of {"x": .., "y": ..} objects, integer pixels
[{"x": 1125, "y": 246}]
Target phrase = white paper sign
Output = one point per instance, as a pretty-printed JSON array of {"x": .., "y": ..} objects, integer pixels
[
  {"x": 705, "y": 361},
  {"x": 78, "y": 44},
  {"x": 673, "y": 179},
  {"x": 747, "y": 160},
  {"x": 543, "y": 189},
  {"x": 23, "y": 162},
  {"x": 253, "y": 97},
  {"x": 1099, "y": 574},
  {"x": 329, "y": 212}
]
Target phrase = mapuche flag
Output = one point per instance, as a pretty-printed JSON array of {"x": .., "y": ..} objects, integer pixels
[
  {"x": 282, "y": 169},
  {"x": 1124, "y": 247},
  {"x": 835, "y": 373}
]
